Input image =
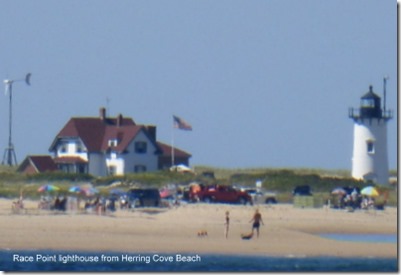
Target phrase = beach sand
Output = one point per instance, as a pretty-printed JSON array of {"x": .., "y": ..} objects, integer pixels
[{"x": 287, "y": 231}]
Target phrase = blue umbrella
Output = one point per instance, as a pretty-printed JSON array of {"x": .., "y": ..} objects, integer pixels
[{"x": 75, "y": 189}]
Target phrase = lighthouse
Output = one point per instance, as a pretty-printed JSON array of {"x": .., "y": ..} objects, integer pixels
[{"x": 369, "y": 159}]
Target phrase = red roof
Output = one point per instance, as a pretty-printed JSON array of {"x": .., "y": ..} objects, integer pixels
[
  {"x": 96, "y": 132},
  {"x": 166, "y": 151},
  {"x": 39, "y": 163}
]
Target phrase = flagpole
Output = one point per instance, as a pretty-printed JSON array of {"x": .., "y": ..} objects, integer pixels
[
  {"x": 180, "y": 124},
  {"x": 172, "y": 146}
]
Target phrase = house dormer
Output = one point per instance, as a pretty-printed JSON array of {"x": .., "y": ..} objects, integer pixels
[{"x": 113, "y": 142}]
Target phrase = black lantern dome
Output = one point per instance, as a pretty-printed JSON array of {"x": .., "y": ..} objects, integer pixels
[
  {"x": 370, "y": 108},
  {"x": 370, "y": 105}
]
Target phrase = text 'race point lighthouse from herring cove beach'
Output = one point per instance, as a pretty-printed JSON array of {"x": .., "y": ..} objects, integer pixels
[{"x": 369, "y": 159}]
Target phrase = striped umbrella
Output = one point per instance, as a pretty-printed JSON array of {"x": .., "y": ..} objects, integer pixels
[{"x": 48, "y": 187}]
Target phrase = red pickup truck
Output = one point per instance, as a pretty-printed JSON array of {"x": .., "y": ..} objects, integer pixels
[{"x": 219, "y": 193}]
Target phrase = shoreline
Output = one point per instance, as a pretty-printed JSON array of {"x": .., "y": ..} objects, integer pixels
[{"x": 288, "y": 231}]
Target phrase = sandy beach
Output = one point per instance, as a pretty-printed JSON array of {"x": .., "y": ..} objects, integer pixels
[{"x": 287, "y": 231}]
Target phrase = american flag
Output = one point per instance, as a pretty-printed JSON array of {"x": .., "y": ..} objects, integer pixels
[{"x": 181, "y": 124}]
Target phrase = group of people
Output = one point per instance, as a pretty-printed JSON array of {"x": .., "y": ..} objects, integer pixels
[
  {"x": 98, "y": 204},
  {"x": 256, "y": 222},
  {"x": 59, "y": 204},
  {"x": 101, "y": 205},
  {"x": 367, "y": 202},
  {"x": 355, "y": 201}
]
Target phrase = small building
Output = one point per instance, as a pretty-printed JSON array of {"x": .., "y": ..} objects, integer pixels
[
  {"x": 165, "y": 158},
  {"x": 37, "y": 164}
]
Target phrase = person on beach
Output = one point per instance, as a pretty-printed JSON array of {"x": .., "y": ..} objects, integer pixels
[
  {"x": 19, "y": 204},
  {"x": 227, "y": 224},
  {"x": 257, "y": 220}
]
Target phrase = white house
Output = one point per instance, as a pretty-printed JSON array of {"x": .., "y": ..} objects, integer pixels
[{"x": 107, "y": 146}]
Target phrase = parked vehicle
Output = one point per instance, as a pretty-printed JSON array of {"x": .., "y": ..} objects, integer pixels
[
  {"x": 181, "y": 168},
  {"x": 260, "y": 196},
  {"x": 143, "y": 198},
  {"x": 302, "y": 190},
  {"x": 219, "y": 193}
]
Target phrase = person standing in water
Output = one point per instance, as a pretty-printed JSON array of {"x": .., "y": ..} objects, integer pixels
[{"x": 257, "y": 220}]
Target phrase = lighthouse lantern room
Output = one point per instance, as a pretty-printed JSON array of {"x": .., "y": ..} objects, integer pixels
[{"x": 369, "y": 159}]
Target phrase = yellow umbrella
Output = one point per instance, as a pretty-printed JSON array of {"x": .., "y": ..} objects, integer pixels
[{"x": 370, "y": 191}]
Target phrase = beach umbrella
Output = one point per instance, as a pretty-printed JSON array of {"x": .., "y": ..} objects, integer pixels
[
  {"x": 75, "y": 189},
  {"x": 48, "y": 187},
  {"x": 339, "y": 191},
  {"x": 89, "y": 191},
  {"x": 370, "y": 191}
]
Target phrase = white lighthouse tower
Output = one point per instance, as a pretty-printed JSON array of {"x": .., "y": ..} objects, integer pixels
[{"x": 369, "y": 160}]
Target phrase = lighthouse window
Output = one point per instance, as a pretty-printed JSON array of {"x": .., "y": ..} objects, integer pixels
[
  {"x": 368, "y": 103},
  {"x": 370, "y": 147}
]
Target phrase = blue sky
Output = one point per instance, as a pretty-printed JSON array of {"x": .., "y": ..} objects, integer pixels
[{"x": 264, "y": 83}]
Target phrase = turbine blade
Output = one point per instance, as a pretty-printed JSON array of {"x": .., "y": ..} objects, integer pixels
[
  {"x": 8, "y": 88},
  {"x": 28, "y": 79}
]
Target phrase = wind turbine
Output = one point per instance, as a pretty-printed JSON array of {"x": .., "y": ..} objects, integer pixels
[{"x": 9, "y": 156}]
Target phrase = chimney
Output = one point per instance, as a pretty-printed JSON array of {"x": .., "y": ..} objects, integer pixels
[
  {"x": 151, "y": 131},
  {"x": 119, "y": 120},
  {"x": 102, "y": 113}
]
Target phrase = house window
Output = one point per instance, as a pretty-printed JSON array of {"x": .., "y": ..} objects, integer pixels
[
  {"x": 63, "y": 168},
  {"x": 140, "y": 147},
  {"x": 112, "y": 170},
  {"x": 81, "y": 168},
  {"x": 79, "y": 148},
  {"x": 113, "y": 142},
  {"x": 139, "y": 168},
  {"x": 63, "y": 148},
  {"x": 370, "y": 147}
]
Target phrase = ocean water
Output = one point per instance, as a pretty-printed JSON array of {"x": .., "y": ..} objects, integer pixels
[
  {"x": 370, "y": 238},
  {"x": 68, "y": 261}
]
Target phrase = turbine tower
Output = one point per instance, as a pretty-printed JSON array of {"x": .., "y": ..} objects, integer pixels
[{"x": 9, "y": 157}]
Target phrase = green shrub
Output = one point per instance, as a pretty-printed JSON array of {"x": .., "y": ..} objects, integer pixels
[{"x": 59, "y": 176}]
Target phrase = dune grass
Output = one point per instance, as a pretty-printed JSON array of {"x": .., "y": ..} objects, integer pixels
[{"x": 280, "y": 180}]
